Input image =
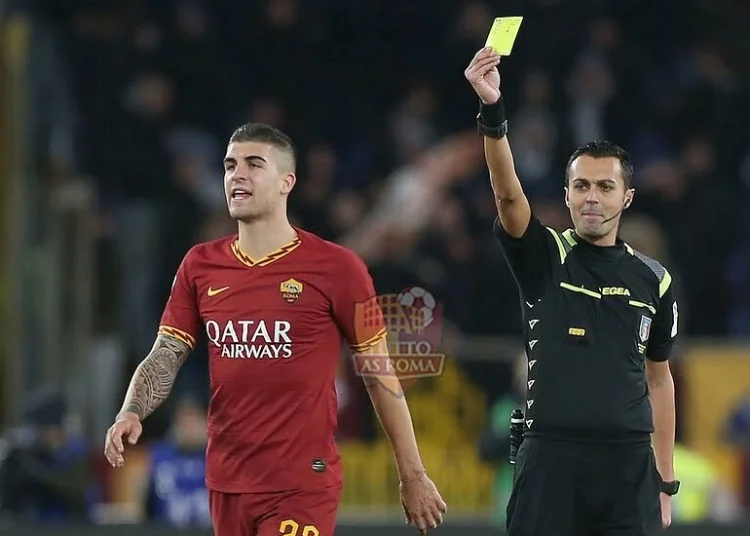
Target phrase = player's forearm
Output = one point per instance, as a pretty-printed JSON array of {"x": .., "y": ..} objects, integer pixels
[
  {"x": 393, "y": 412},
  {"x": 661, "y": 393},
  {"x": 155, "y": 376}
]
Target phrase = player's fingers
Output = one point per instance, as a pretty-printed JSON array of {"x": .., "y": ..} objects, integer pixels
[
  {"x": 407, "y": 514},
  {"x": 436, "y": 510},
  {"x": 111, "y": 453},
  {"x": 116, "y": 437},
  {"x": 109, "y": 450},
  {"x": 431, "y": 519},
  {"x": 420, "y": 522},
  {"x": 117, "y": 447},
  {"x": 442, "y": 507},
  {"x": 134, "y": 435}
]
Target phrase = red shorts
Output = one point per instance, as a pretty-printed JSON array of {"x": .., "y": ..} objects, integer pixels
[{"x": 285, "y": 513}]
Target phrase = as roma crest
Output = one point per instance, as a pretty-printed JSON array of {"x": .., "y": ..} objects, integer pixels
[
  {"x": 645, "y": 328},
  {"x": 291, "y": 290}
]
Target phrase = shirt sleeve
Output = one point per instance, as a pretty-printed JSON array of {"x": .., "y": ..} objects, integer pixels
[
  {"x": 532, "y": 258},
  {"x": 181, "y": 319},
  {"x": 355, "y": 305},
  {"x": 664, "y": 329}
]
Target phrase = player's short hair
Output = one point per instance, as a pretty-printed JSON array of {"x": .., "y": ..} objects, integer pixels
[
  {"x": 263, "y": 133},
  {"x": 604, "y": 149}
]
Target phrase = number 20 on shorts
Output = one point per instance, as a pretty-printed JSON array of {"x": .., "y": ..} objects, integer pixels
[{"x": 290, "y": 527}]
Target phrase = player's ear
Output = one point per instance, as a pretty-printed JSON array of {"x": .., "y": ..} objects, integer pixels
[
  {"x": 567, "y": 197},
  {"x": 290, "y": 179}
]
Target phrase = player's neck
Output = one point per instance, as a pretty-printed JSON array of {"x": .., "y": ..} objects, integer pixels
[{"x": 262, "y": 237}]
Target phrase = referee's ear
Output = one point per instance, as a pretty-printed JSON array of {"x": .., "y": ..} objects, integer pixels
[
  {"x": 567, "y": 198},
  {"x": 628, "y": 198}
]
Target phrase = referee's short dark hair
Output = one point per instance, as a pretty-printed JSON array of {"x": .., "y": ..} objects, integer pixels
[{"x": 604, "y": 149}]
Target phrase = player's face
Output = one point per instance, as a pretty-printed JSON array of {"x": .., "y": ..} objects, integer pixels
[
  {"x": 257, "y": 179},
  {"x": 596, "y": 195}
]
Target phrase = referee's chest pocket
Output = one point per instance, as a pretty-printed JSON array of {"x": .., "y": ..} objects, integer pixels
[{"x": 579, "y": 307}]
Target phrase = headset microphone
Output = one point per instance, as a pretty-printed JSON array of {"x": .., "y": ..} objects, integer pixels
[
  {"x": 613, "y": 217},
  {"x": 626, "y": 205}
]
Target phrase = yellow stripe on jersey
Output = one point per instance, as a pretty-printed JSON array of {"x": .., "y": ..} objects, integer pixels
[
  {"x": 283, "y": 251},
  {"x": 570, "y": 237},
  {"x": 369, "y": 343},
  {"x": 559, "y": 243},
  {"x": 178, "y": 334},
  {"x": 636, "y": 303},
  {"x": 581, "y": 290}
]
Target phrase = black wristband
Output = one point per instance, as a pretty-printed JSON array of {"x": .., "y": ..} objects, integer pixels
[
  {"x": 670, "y": 488},
  {"x": 491, "y": 120}
]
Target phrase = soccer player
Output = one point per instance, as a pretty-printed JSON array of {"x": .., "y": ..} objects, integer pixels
[
  {"x": 276, "y": 304},
  {"x": 600, "y": 320}
]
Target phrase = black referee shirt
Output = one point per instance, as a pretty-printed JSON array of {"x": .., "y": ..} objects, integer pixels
[{"x": 592, "y": 315}]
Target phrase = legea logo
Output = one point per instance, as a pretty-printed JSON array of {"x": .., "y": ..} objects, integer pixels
[{"x": 414, "y": 323}]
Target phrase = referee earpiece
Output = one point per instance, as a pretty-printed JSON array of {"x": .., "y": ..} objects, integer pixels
[{"x": 627, "y": 204}]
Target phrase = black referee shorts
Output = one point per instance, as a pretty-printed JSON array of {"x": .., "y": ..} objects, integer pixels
[{"x": 580, "y": 489}]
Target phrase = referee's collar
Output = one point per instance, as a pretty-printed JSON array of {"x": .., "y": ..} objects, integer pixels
[{"x": 613, "y": 252}]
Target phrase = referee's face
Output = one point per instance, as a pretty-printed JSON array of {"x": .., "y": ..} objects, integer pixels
[{"x": 596, "y": 196}]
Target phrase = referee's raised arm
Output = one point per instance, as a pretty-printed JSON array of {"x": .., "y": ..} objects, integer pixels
[
  {"x": 512, "y": 206},
  {"x": 531, "y": 249}
]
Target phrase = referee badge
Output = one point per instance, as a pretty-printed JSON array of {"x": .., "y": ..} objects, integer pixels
[{"x": 645, "y": 329}]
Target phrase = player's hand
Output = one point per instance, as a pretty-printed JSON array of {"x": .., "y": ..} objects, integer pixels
[
  {"x": 484, "y": 76},
  {"x": 666, "y": 509},
  {"x": 126, "y": 427},
  {"x": 422, "y": 503}
]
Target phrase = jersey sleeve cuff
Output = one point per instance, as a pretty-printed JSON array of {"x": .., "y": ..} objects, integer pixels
[
  {"x": 370, "y": 343},
  {"x": 176, "y": 333},
  {"x": 659, "y": 354},
  {"x": 502, "y": 235}
]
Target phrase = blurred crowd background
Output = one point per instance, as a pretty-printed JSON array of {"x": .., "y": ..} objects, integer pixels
[{"x": 115, "y": 116}]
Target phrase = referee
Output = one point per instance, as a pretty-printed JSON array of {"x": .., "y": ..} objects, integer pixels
[{"x": 600, "y": 320}]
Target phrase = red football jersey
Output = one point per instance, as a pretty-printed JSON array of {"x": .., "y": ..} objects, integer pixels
[{"x": 275, "y": 328}]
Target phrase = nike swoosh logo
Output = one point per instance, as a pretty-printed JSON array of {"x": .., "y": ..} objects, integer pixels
[{"x": 213, "y": 292}]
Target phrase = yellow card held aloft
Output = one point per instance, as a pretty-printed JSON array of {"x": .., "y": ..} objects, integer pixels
[{"x": 503, "y": 34}]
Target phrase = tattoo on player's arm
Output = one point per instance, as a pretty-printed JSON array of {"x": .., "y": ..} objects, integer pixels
[
  {"x": 391, "y": 386},
  {"x": 155, "y": 376}
]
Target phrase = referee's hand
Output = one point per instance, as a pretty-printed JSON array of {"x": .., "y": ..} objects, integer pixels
[
  {"x": 484, "y": 76},
  {"x": 666, "y": 509}
]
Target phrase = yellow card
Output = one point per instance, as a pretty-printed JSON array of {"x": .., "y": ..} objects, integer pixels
[{"x": 503, "y": 34}]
